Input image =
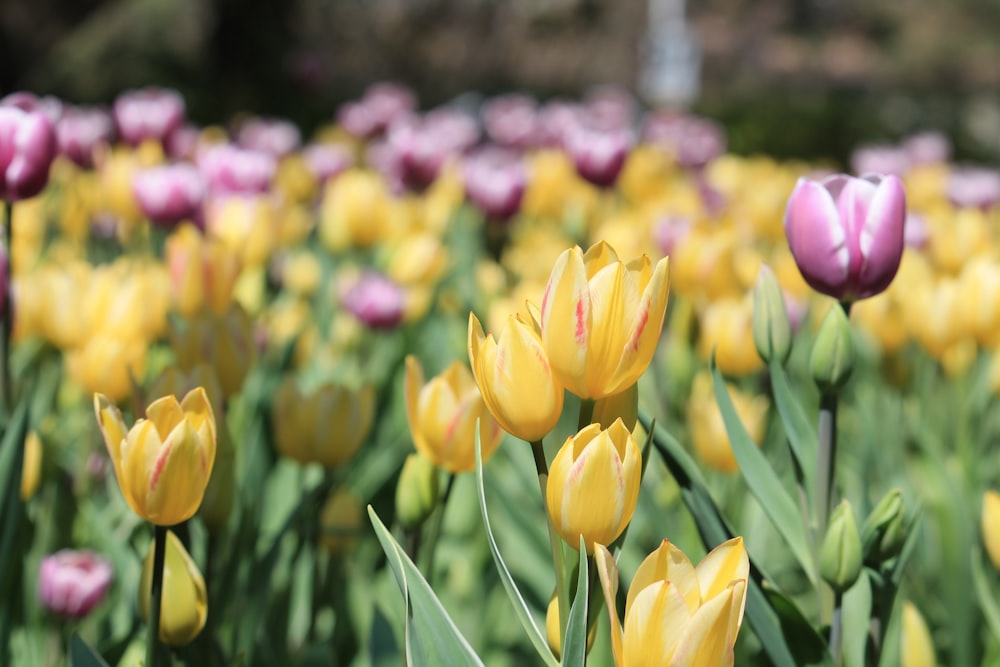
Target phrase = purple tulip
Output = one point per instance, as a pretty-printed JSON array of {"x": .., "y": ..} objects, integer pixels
[
  {"x": 927, "y": 148},
  {"x": 51, "y": 106},
  {"x": 269, "y": 135},
  {"x": 420, "y": 147},
  {"x": 610, "y": 107},
  {"x": 598, "y": 155},
  {"x": 170, "y": 193},
  {"x": 880, "y": 159},
  {"x": 670, "y": 233},
  {"x": 693, "y": 141},
  {"x": 382, "y": 105},
  {"x": 915, "y": 233},
  {"x": 974, "y": 187},
  {"x": 232, "y": 170},
  {"x": 495, "y": 180},
  {"x": 375, "y": 300},
  {"x": 557, "y": 119},
  {"x": 327, "y": 161},
  {"x": 150, "y": 113},
  {"x": 512, "y": 121},
  {"x": 72, "y": 583},
  {"x": 182, "y": 143},
  {"x": 846, "y": 233},
  {"x": 80, "y": 131},
  {"x": 27, "y": 148}
]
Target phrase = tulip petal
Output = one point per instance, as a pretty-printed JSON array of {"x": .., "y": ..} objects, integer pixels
[
  {"x": 613, "y": 295},
  {"x": 598, "y": 256},
  {"x": 667, "y": 563},
  {"x": 816, "y": 237},
  {"x": 723, "y": 564},
  {"x": 412, "y": 384},
  {"x": 165, "y": 413},
  {"x": 653, "y": 625},
  {"x": 708, "y": 639},
  {"x": 566, "y": 317},
  {"x": 607, "y": 571},
  {"x": 644, "y": 328},
  {"x": 881, "y": 238},
  {"x": 198, "y": 409},
  {"x": 177, "y": 478},
  {"x": 109, "y": 419}
]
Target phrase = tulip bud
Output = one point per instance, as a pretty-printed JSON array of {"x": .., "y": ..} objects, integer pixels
[
  {"x": 847, "y": 233},
  {"x": 184, "y": 605},
  {"x": 375, "y": 300},
  {"x": 772, "y": 331},
  {"x": 598, "y": 154},
  {"x": 623, "y": 405},
  {"x": 832, "y": 358},
  {"x": 168, "y": 194},
  {"x": 916, "y": 646},
  {"x": 148, "y": 114},
  {"x": 552, "y": 628},
  {"x": 72, "y": 583},
  {"x": 416, "y": 491},
  {"x": 27, "y": 148},
  {"x": 31, "y": 469},
  {"x": 884, "y": 531},
  {"x": 991, "y": 526},
  {"x": 840, "y": 556},
  {"x": 340, "y": 522}
]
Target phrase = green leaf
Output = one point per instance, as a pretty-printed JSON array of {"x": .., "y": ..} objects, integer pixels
[
  {"x": 81, "y": 655},
  {"x": 785, "y": 638},
  {"x": 987, "y": 603},
  {"x": 521, "y": 610},
  {"x": 11, "y": 512},
  {"x": 857, "y": 606},
  {"x": 574, "y": 652},
  {"x": 798, "y": 428},
  {"x": 762, "y": 481},
  {"x": 431, "y": 636}
]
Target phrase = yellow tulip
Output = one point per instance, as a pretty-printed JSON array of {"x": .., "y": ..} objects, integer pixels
[
  {"x": 224, "y": 341},
  {"x": 246, "y": 225},
  {"x": 442, "y": 414},
  {"x": 325, "y": 426},
  {"x": 552, "y": 628},
  {"x": 164, "y": 461},
  {"x": 727, "y": 328},
  {"x": 302, "y": 273},
  {"x": 677, "y": 614},
  {"x": 991, "y": 526},
  {"x": 708, "y": 432},
  {"x": 515, "y": 378},
  {"x": 31, "y": 468},
  {"x": 203, "y": 271},
  {"x": 184, "y": 606},
  {"x": 601, "y": 319},
  {"x": 704, "y": 266},
  {"x": 593, "y": 484},
  {"x": 917, "y": 648},
  {"x": 107, "y": 364},
  {"x": 355, "y": 210}
]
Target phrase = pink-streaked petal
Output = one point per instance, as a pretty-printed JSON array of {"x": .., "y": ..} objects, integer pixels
[{"x": 816, "y": 237}]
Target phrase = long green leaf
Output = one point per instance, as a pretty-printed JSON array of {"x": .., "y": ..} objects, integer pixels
[
  {"x": 775, "y": 635},
  {"x": 574, "y": 653},
  {"x": 11, "y": 514},
  {"x": 762, "y": 481},
  {"x": 521, "y": 610},
  {"x": 432, "y": 640},
  {"x": 987, "y": 603},
  {"x": 800, "y": 431},
  {"x": 81, "y": 655},
  {"x": 857, "y": 617}
]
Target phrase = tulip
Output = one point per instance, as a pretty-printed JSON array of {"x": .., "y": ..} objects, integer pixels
[
  {"x": 354, "y": 212},
  {"x": 203, "y": 271},
  {"x": 108, "y": 364},
  {"x": 772, "y": 330},
  {"x": 340, "y": 522},
  {"x": 601, "y": 319},
  {"x": 593, "y": 485},
  {"x": 512, "y": 121},
  {"x": 381, "y": 105},
  {"x": 31, "y": 467},
  {"x": 164, "y": 461},
  {"x": 327, "y": 161},
  {"x": 169, "y": 194},
  {"x": 420, "y": 147},
  {"x": 417, "y": 491},
  {"x": 269, "y": 135},
  {"x": 27, "y": 148},
  {"x": 80, "y": 131},
  {"x": 232, "y": 170},
  {"x": 184, "y": 607},
  {"x": 50, "y": 106},
  {"x": 442, "y": 415},
  {"x": 224, "y": 341},
  {"x": 148, "y": 114},
  {"x": 840, "y": 558},
  {"x": 991, "y": 526},
  {"x": 880, "y": 159},
  {"x": 691, "y": 140},
  {"x": 327, "y": 425},
  {"x": 375, "y": 300},
  {"x": 916, "y": 646},
  {"x": 247, "y": 224},
  {"x": 302, "y": 273},
  {"x": 972, "y": 187},
  {"x": 847, "y": 233},
  {"x": 495, "y": 182},
  {"x": 515, "y": 378},
  {"x": 677, "y": 614},
  {"x": 832, "y": 358},
  {"x": 71, "y": 583},
  {"x": 599, "y": 154},
  {"x": 726, "y": 328},
  {"x": 708, "y": 431}
]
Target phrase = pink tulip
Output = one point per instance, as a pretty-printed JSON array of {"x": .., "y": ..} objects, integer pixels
[
  {"x": 375, "y": 300},
  {"x": 880, "y": 159},
  {"x": 421, "y": 146},
  {"x": 693, "y": 141},
  {"x": 269, "y": 135},
  {"x": 232, "y": 170},
  {"x": 846, "y": 233},
  {"x": 512, "y": 121},
  {"x": 80, "y": 130},
  {"x": 974, "y": 187},
  {"x": 327, "y": 161},
  {"x": 495, "y": 180},
  {"x": 598, "y": 154},
  {"x": 382, "y": 105},
  {"x": 928, "y": 148},
  {"x": 150, "y": 113},
  {"x": 51, "y": 106},
  {"x": 170, "y": 193},
  {"x": 72, "y": 583},
  {"x": 27, "y": 148}
]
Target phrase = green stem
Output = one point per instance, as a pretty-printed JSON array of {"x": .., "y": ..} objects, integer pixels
[
  {"x": 586, "y": 413},
  {"x": 555, "y": 542},
  {"x": 434, "y": 535},
  {"x": 826, "y": 461},
  {"x": 837, "y": 629},
  {"x": 156, "y": 595},
  {"x": 8, "y": 305}
]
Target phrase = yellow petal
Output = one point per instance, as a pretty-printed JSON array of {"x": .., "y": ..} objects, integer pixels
[
  {"x": 607, "y": 571},
  {"x": 177, "y": 478},
  {"x": 565, "y": 320},
  {"x": 917, "y": 649},
  {"x": 184, "y": 606},
  {"x": 653, "y": 625},
  {"x": 165, "y": 413},
  {"x": 198, "y": 409},
  {"x": 644, "y": 327},
  {"x": 667, "y": 563},
  {"x": 991, "y": 526},
  {"x": 113, "y": 428},
  {"x": 413, "y": 383},
  {"x": 708, "y": 639},
  {"x": 723, "y": 564}
]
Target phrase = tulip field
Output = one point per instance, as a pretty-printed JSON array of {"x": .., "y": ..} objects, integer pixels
[{"x": 513, "y": 383}]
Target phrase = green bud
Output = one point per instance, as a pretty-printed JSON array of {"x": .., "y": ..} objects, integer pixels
[
  {"x": 832, "y": 358},
  {"x": 840, "y": 556},
  {"x": 416, "y": 491},
  {"x": 884, "y": 531},
  {"x": 772, "y": 332},
  {"x": 623, "y": 405}
]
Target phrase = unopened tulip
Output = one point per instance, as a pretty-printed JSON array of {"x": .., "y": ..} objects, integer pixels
[
  {"x": 80, "y": 131},
  {"x": 515, "y": 378},
  {"x": 495, "y": 181},
  {"x": 27, "y": 148},
  {"x": 71, "y": 583},
  {"x": 184, "y": 605},
  {"x": 772, "y": 330},
  {"x": 164, "y": 461},
  {"x": 593, "y": 485},
  {"x": 269, "y": 135},
  {"x": 148, "y": 114},
  {"x": 375, "y": 300},
  {"x": 599, "y": 154},
  {"x": 442, "y": 415},
  {"x": 847, "y": 233},
  {"x": 601, "y": 319},
  {"x": 31, "y": 467},
  {"x": 224, "y": 341},
  {"x": 417, "y": 491},
  {"x": 232, "y": 170},
  {"x": 708, "y": 430},
  {"x": 885, "y": 530},
  {"x": 325, "y": 426},
  {"x": 840, "y": 558},
  {"x": 677, "y": 614},
  {"x": 203, "y": 271},
  {"x": 169, "y": 194},
  {"x": 990, "y": 524},
  {"x": 832, "y": 358}
]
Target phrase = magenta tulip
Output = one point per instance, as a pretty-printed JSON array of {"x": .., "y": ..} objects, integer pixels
[
  {"x": 27, "y": 148},
  {"x": 72, "y": 583},
  {"x": 381, "y": 105},
  {"x": 375, "y": 300},
  {"x": 512, "y": 120},
  {"x": 232, "y": 170},
  {"x": 974, "y": 187},
  {"x": 150, "y": 113},
  {"x": 691, "y": 140},
  {"x": 170, "y": 193},
  {"x": 327, "y": 160},
  {"x": 495, "y": 180},
  {"x": 80, "y": 130},
  {"x": 598, "y": 154},
  {"x": 269, "y": 135},
  {"x": 846, "y": 233}
]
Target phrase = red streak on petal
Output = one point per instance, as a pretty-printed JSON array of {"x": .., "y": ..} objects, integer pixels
[
  {"x": 581, "y": 323},
  {"x": 545, "y": 302},
  {"x": 640, "y": 324},
  {"x": 158, "y": 465}
]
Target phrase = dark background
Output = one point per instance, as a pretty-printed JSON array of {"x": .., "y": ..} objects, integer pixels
[{"x": 788, "y": 77}]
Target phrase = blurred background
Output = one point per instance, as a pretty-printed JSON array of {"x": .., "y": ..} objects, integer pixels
[{"x": 802, "y": 78}]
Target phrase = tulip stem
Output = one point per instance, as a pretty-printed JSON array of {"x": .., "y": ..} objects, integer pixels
[
  {"x": 434, "y": 534},
  {"x": 8, "y": 304},
  {"x": 837, "y": 628},
  {"x": 555, "y": 542},
  {"x": 586, "y": 413},
  {"x": 156, "y": 595},
  {"x": 825, "y": 462}
]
